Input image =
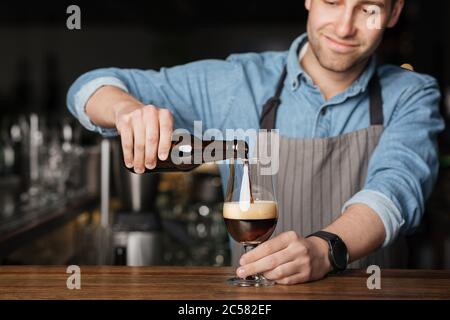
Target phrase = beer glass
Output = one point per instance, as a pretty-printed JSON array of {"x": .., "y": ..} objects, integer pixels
[{"x": 250, "y": 210}]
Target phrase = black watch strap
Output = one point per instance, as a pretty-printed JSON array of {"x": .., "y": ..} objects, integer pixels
[{"x": 338, "y": 253}]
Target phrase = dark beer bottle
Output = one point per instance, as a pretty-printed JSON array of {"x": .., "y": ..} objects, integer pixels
[{"x": 188, "y": 152}]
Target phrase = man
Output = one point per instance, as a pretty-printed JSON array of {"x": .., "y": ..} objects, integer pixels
[{"x": 358, "y": 140}]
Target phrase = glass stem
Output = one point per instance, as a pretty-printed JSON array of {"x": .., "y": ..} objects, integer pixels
[{"x": 247, "y": 248}]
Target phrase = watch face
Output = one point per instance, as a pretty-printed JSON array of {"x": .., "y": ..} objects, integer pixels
[{"x": 340, "y": 254}]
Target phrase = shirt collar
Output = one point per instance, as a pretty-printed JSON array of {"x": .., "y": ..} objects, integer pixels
[{"x": 296, "y": 72}]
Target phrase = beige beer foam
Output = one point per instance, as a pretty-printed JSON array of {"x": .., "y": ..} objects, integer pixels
[{"x": 257, "y": 210}]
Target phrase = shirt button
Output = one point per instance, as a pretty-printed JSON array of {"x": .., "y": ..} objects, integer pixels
[
  {"x": 323, "y": 111},
  {"x": 295, "y": 84}
]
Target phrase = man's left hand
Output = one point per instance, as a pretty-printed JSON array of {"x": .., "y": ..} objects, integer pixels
[{"x": 287, "y": 259}]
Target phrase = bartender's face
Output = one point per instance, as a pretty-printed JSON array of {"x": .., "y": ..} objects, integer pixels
[{"x": 345, "y": 33}]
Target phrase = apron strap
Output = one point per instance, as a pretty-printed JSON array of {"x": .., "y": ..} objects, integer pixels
[
  {"x": 270, "y": 108},
  {"x": 376, "y": 101},
  {"x": 269, "y": 113}
]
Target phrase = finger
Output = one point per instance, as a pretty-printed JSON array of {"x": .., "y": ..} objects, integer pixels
[
  {"x": 269, "y": 247},
  {"x": 265, "y": 264},
  {"x": 283, "y": 271},
  {"x": 126, "y": 139},
  {"x": 151, "y": 136},
  {"x": 139, "y": 141},
  {"x": 165, "y": 133}
]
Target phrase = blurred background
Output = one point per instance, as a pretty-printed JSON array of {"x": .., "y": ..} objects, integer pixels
[{"x": 64, "y": 195}]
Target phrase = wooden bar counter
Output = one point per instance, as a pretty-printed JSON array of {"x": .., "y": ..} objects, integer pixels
[{"x": 205, "y": 283}]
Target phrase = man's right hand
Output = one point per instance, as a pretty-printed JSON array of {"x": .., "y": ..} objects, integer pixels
[
  {"x": 145, "y": 130},
  {"x": 146, "y": 135}
]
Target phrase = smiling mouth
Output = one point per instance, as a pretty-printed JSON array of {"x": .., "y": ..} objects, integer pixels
[{"x": 339, "y": 45}]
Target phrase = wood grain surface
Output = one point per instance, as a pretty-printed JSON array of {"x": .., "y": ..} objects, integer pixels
[{"x": 195, "y": 283}]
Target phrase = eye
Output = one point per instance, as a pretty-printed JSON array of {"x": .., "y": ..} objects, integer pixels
[{"x": 331, "y": 3}]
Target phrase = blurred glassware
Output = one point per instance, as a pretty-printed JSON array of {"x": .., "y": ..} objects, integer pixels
[
  {"x": 54, "y": 170},
  {"x": 32, "y": 127},
  {"x": 51, "y": 165}
]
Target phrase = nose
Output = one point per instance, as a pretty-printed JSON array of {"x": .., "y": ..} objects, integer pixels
[{"x": 345, "y": 26}]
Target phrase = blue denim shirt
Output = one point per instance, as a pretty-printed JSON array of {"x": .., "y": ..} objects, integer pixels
[{"x": 230, "y": 94}]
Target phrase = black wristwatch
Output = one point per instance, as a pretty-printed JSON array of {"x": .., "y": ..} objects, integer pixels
[{"x": 338, "y": 253}]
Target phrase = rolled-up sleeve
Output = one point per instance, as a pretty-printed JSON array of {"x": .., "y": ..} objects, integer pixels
[
  {"x": 404, "y": 166},
  {"x": 386, "y": 209},
  {"x": 80, "y": 93}
]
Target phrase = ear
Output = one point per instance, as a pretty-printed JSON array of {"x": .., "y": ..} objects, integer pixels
[
  {"x": 395, "y": 13},
  {"x": 308, "y": 4}
]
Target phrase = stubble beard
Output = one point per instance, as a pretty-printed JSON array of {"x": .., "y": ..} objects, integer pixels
[{"x": 340, "y": 63}]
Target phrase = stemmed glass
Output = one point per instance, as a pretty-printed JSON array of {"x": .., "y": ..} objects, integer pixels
[{"x": 250, "y": 210}]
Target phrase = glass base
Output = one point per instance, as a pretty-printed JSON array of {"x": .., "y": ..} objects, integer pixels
[{"x": 252, "y": 281}]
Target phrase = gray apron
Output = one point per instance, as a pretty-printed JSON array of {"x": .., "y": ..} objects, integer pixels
[{"x": 317, "y": 176}]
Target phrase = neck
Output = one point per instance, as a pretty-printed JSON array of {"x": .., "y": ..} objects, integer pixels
[{"x": 330, "y": 82}]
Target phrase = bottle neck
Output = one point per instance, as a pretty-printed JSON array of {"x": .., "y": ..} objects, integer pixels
[{"x": 229, "y": 149}]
